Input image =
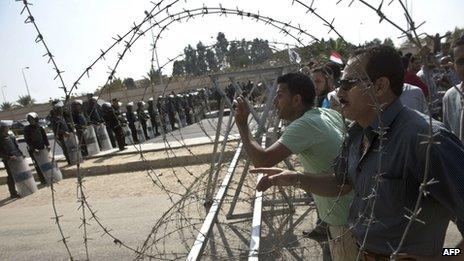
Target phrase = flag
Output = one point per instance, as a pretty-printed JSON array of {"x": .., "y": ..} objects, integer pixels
[
  {"x": 293, "y": 56},
  {"x": 336, "y": 57}
]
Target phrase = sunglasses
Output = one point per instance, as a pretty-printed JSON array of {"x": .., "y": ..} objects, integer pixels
[{"x": 348, "y": 84}]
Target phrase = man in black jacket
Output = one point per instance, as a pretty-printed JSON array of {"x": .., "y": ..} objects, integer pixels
[
  {"x": 80, "y": 123},
  {"x": 9, "y": 150},
  {"x": 152, "y": 111},
  {"x": 131, "y": 119},
  {"x": 60, "y": 121},
  {"x": 36, "y": 140},
  {"x": 113, "y": 123},
  {"x": 143, "y": 117}
]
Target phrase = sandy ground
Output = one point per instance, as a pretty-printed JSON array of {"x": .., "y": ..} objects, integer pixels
[{"x": 131, "y": 205}]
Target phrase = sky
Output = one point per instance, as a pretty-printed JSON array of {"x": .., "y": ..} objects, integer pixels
[{"x": 76, "y": 30}]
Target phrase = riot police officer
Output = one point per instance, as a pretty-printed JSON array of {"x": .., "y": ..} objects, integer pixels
[
  {"x": 36, "y": 140},
  {"x": 112, "y": 120},
  {"x": 143, "y": 117},
  {"x": 154, "y": 115},
  {"x": 8, "y": 150},
  {"x": 80, "y": 124},
  {"x": 60, "y": 121},
  {"x": 131, "y": 119}
]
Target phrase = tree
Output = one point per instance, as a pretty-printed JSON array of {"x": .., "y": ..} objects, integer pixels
[
  {"x": 129, "y": 83},
  {"x": 178, "y": 68},
  {"x": 6, "y": 106},
  {"x": 211, "y": 60},
  {"x": 221, "y": 48},
  {"x": 153, "y": 76},
  {"x": 259, "y": 51},
  {"x": 388, "y": 41},
  {"x": 115, "y": 85},
  {"x": 201, "y": 58},
  {"x": 191, "y": 61},
  {"x": 25, "y": 100}
]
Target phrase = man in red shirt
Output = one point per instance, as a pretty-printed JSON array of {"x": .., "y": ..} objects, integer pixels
[{"x": 412, "y": 65}]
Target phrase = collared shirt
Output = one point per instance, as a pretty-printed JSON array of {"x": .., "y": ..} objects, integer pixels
[
  {"x": 9, "y": 147},
  {"x": 453, "y": 106},
  {"x": 413, "y": 98},
  {"x": 402, "y": 166},
  {"x": 35, "y": 137}
]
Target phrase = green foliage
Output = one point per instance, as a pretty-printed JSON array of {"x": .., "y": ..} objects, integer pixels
[
  {"x": 153, "y": 76},
  {"x": 259, "y": 51},
  {"x": 115, "y": 85},
  {"x": 6, "y": 106},
  {"x": 25, "y": 100},
  {"x": 211, "y": 60},
  {"x": 221, "y": 48},
  {"x": 201, "y": 58},
  {"x": 129, "y": 83},
  {"x": 191, "y": 61},
  {"x": 178, "y": 68}
]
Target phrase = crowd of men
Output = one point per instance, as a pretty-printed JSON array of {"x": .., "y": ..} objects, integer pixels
[
  {"x": 366, "y": 180},
  {"x": 384, "y": 95}
]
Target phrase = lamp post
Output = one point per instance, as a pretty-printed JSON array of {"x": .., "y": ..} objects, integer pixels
[
  {"x": 3, "y": 93},
  {"x": 25, "y": 82}
]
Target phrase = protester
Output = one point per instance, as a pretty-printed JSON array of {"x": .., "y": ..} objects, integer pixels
[
  {"x": 36, "y": 140},
  {"x": 453, "y": 101},
  {"x": 315, "y": 135},
  {"x": 394, "y": 185},
  {"x": 413, "y": 98},
  {"x": 323, "y": 81},
  {"x": 412, "y": 66}
]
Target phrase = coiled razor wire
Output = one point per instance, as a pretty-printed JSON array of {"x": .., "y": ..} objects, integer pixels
[{"x": 136, "y": 31}]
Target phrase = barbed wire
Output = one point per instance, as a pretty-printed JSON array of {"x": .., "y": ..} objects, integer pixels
[{"x": 410, "y": 33}]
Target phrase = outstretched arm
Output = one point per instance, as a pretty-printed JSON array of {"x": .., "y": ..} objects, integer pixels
[
  {"x": 322, "y": 185},
  {"x": 261, "y": 157}
]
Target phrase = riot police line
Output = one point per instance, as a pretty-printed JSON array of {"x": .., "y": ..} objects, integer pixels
[{"x": 86, "y": 128}]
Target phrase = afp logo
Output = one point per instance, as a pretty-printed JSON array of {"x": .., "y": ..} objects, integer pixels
[{"x": 451, "y": 251}]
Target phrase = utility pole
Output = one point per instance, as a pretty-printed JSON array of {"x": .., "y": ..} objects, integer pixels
[{"x": 25, "y": 82}]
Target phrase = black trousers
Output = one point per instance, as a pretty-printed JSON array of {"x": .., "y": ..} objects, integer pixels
[
  {"x": 144, "y": 128},
  {"x": 60, "y": 141},
  {"x": 37, "y": 167},
  {"x": 172, "y": 120},
  {"x": 134, "y": 132},
  {"x": 10, "y": 180},
  {"x": 154, "y": 124},
  {"x": 111, "y": 136},
  {"x": 82, "y": 144},
  {"x": 119, "y": 133}
]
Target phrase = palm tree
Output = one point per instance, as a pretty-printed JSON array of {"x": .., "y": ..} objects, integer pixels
[
  {"x": 25, "y": 100},
  {"x": 6, "y": 106}
]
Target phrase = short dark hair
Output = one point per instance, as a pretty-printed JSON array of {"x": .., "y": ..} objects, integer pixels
[
  {"x": 336, "y": 71},
  {"x": 301, "y": 84},
  {"x": 384, "y": 61}
]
